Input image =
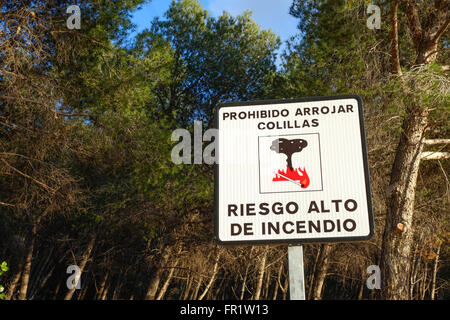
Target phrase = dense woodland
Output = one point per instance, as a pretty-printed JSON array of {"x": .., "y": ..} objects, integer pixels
[{"x": 86, "y": 176}]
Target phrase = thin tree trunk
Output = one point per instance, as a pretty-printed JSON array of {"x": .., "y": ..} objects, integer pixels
[
  {"x": 244, "y": 284},
  {"x": 314, "y": 271},
  {"x": 29, "y": 258},
  {"x": 116, "y": 289},
  {"x": 435, "y": 270},
  {"x": 83, "y": 293},
  {"x": 213, "y": 277},
  {"x": 197, "y": 288},
  {"x": 361, "y": 290},
  {"x": 219, "y": 289},
  {"x": 362, "y": 284},
  {"x": 322, "y": 270},
  {"x": 285, "y": 287},
  {"x": 102, "y": 286},
  {"x": 13, "y": 284},
  {"x": 277, "y": 284},
  {"x": 414, "y": 268},
  {"x": 395, "y": 59},
  {"x": 156, "y": 277},
  {"x": 55, "y": 295},
  {"x": 105, "y": 293},
  {"x": 118, "y": 285},
  {"x": 260, "y": 277},
  {"x": 398, "y": 233},
  {"x": 44, "y": 280},
  {"x": 82, "y": 266},
  {"x": 188, "y": 287},
  {"x": 424, "y": 282},
  {"x": 266, "y": 284},
  {"x": 154, "y": 284},
  {"x": 40, "y": 277},
  {"x": 163, "y": 290}
]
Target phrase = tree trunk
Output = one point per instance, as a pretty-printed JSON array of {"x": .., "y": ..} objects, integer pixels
[
  {"x": 244, "y": 281},
  {"x": 277, "y": 284},
  {"x": 188, "y": 287},
  {"x": 314, "y": 271},
  {"x": 428, "y": 52},
  {"x": 414, "y": 269},
  {"x": 260, "y": 277},
  {"x": 267, "y": 284},
  {"x": 102, "y": 286},
  {"x": 43, "y": 282},
  {"x": 284, "y": 288},
  {"x": 213, "y": 277},
  {"x": 115, "y": 292},
  {"x": 435, "y": 270},
  {"x": 55, "y": 295},
  {"x": 13, "y": 284},
  {"x": 395, "y": 59},
  {"x": 27, "y": 266},
  {"x": 83, "y": 293},
  {"x": 244, "y": 284},
  {"x": 197, "y": 288},
  {"x": 105, "y": 293},
  {"x": 40, "y": 278},
  {"x": 361, "y": 290},
  {"x": 156, "y": 278},
  {"x": 424, "y": 282},
  {"x": 322, "y": 269},
  {"x": 398, "y": 232},
  {"x": 218, "y": 290},
  {"x": 163, "y": 290},
  {"x": 82, "y": 266},
  {"x": 154, "y": 284}
]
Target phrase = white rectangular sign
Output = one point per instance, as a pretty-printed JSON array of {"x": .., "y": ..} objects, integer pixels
[{"x": 292, "y": 171}]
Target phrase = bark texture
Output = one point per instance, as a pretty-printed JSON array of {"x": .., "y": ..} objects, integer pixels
[
  {"x": 398, "y": 232},
  {"x": 321, "y": 272}
]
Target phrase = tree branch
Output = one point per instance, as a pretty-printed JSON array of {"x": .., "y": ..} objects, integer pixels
[
  {"x": 27, "y": 176},
  {"x": 432, "y": 155},
  {"x": 74, "y": 114},
  {"x": 442, "y": 19},
  {"x": 413, "y": 21},
  {"x": 395, "y": 59},
  {"x": 7, "y": 204},
  {"x": 436, "y": 141}
]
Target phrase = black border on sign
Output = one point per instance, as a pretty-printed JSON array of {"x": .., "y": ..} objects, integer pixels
[
  {"x": 309, "y": 240},
  {"x": 286, "y": 135}
]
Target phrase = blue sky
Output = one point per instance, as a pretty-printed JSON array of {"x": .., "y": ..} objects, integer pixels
[{"x": 269, "y": 14}]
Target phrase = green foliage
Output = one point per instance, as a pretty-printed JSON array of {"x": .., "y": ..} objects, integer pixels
[
  {"x": 206, "y": 61},
  {"x": 3, "y": 269},
  {"x": 422, "y": 86},
  {"x": 331, "y": 55}
]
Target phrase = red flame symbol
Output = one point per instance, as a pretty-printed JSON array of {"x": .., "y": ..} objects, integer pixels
[{"x": 296, "y": 175}]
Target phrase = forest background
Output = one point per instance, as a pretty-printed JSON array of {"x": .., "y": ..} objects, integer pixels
[{"x": 86, "y": 176}]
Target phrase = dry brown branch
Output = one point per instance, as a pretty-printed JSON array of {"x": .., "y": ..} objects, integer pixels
[
  {"x": 7, "y": 204},
  {"x": 27, "y": 176}
]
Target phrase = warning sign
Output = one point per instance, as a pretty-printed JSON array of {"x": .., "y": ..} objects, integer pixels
[{"x": 292, "y": 171}]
